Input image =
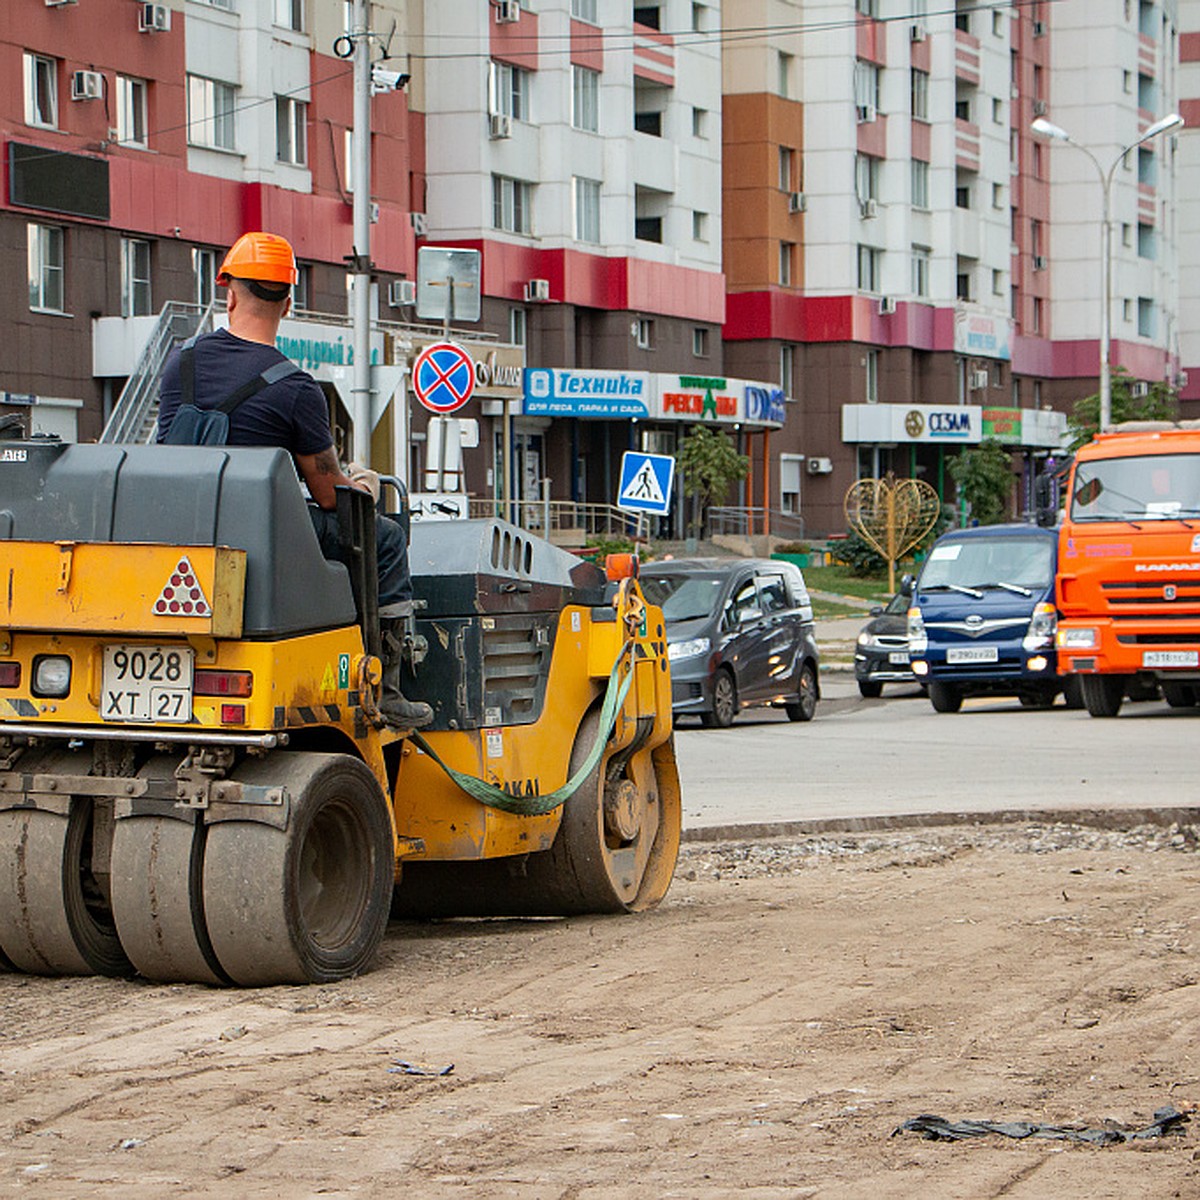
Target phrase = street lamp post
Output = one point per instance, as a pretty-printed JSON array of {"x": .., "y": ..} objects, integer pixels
[{"x": 1047, "y": 129}]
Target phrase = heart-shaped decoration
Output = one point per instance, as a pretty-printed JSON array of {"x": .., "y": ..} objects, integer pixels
[{"x": 892, "y": 515}]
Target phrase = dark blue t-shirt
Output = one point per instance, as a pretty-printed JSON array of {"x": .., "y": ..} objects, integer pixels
[{"x": 292, "y": 414}]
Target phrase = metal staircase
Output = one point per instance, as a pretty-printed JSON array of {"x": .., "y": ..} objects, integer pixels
[{"x": 135, "y": 414}]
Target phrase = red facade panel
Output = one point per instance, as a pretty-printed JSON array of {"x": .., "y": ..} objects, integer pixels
[
  {"x": 587, "y": 46},
  {"x": 516, "y": 42}
]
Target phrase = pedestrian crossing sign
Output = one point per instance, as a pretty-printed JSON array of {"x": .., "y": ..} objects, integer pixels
[{"x": 646, "y": 481}]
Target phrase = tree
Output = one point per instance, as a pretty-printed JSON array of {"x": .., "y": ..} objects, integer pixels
[
  {"x": 985, "y": 480},
  {"x": 710, "y": 465},
  {"x": 1160, "y": 403}
]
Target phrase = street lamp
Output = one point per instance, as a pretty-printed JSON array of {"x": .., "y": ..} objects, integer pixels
[{"x": 1047, "y": 129}]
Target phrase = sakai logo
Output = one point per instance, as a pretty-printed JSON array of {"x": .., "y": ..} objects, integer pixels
[{"x": 522, "y": 787}]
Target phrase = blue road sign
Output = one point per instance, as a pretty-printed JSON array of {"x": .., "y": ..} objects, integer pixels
[
  {"x": 646, "y": 482},
  {"x": 443, "y": 377}
]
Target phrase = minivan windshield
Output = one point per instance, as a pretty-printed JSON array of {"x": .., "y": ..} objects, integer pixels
[
  {"x": 1016, "y": 564},
  {"x": 1152, "y": 487},
  {"x": 682, "y": 597}
]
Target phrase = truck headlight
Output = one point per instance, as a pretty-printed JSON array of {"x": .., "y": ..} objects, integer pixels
[
  {"x": 688, "y": 649},
  {"x": 51, "y": 675},
  {"x": 1083, "y": 638},
  {"x": 918, "y": 643},
  {"x": 1042, "y": 627}
]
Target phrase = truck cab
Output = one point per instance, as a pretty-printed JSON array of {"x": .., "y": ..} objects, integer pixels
[{"x": 983, "y": 618}]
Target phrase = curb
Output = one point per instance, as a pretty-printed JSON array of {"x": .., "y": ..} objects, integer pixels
[{"x": 1098, "y": 818}]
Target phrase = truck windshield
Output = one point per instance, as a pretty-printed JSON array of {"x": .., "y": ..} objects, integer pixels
[
  {"x": 1016, "y": 564},
  {"x": 1154, "y": 487}
]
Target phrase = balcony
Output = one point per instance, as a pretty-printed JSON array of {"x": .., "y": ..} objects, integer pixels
[
  {"x": 966, "y": 145},
  {"x": 966, "y": 57},
  {"x": 653, "y": 55}
]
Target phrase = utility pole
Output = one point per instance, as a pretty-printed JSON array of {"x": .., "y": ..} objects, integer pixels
[{"x": 361, "y": 258}]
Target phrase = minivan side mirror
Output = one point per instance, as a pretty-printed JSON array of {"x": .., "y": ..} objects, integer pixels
[{"x": 907, "y": 583}]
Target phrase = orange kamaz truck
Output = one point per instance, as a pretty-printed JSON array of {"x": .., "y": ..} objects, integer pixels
[{"x": 1128, "y": 579}]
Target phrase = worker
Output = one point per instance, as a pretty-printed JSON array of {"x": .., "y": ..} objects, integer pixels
[{"x": 237, "y": 379}]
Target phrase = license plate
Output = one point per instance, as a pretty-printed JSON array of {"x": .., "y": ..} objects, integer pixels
[
  {"x": 972, "y": 654},
  {"x": 1170, "y": 658},
  {"x": 147, "y": 684},
  {"x": 898, "y": 656}
]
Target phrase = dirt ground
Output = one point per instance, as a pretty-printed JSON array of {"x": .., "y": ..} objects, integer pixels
[{"x": 761, "y": 1035}]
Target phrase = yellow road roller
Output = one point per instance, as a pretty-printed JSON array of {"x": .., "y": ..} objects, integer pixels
[{"x": 195, "y": 781}]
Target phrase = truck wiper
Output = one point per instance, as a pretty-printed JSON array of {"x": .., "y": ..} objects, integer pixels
[
  {"x": 1015, "y": 588},
  {"x": 953, "y": 587}
]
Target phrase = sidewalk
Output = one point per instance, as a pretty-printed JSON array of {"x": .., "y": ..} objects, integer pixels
[{"x": 836, "y": 636}]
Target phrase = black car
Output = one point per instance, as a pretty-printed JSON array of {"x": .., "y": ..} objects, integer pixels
[
  {"x": 881, "y": 654},
  {"x": 739, "y": 635}
]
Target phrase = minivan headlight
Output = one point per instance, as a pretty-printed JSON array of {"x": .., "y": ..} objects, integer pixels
[
  {"x": 1042, "y": 627},
  {"x": 918, "y": 643}
]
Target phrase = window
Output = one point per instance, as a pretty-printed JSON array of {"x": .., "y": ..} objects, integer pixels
[
  {"x": 787, "y": 369},
  {"x": 46, "y": 269},
  {"x": 508, "y": 91},
  {"x": 584, "y": 10},
  {"x": 211, "y": 113},
  {"x": 866, "y": 177},
  {"x": 1145, "y": 309},
  {"x": 962, "y": 285},
  {"x": 998, "y": 22},
  {"x": 699, "y": 226},
  {"x": 289, "y": 13},
  {"x": 699, "y": 341},
  {"x": 920, "y": 271},
  {"x": 784, "y": 74},
  {"x": 204, "y": 271},
  {"x": 997, "y": 111},
  {"x": 1038, "y": 158},
  {"x": 699, "y": 122},
  {"x": 997, "y": 282},
  {"x": 648, "y": 229},
  {"x": 291, "y": 130},
  {"x": 1126, "y": 234},
  {"x": 302, "y": 290},
  {"x": 649, "y": 123},
  {"x": 997, "y": 195},
  {"x": 787, "y": 259},
  {"x": 866, "y": 89},
  {"x": 41, "y": 91},
  {"x": 871, "y": 362},
  {"x": 962, "y": 110},
  {"x": 1039, "y": 314},
  {"x": 585, "y": 99},
  {"x": 962, "y": 196},
  {"x": 787, "y": 163},
  {"x": 868, "y": 268},
  {"x": 789, "y": 482},
  {"x": 962, "y": 21},
  {"x": 1147, "y": 165},
  {"x": 131, "y": 111},
  {"x": 135, "y": 278},
  {"x": 868, "y": 8},
  {"x": 643, "y": 333},
  {"x": 920, "y": 94},
  {"x": 1127, "y": 311},
  {"x": 1146, "y": 245},
  {"x": 587, "y": 210},
  {"x": 699, "y": 18},
  {"x": 920, "y": 183},
  {"x": 1127, "y": 82},
  {"x": 647, "y": 15},
  {"x": 510, "y": 204},
  {"x": 518, "y": 326}
]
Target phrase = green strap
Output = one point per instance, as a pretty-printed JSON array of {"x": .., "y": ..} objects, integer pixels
[{"x": 536, "y": 806}]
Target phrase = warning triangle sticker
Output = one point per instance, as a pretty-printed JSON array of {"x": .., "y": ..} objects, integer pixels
[
  {"x": 182, "y": 595},
  {"x": 644, "y": 486}
]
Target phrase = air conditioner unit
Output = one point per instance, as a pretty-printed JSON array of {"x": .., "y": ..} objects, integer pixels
[
  {"x": 420, "y": 223},
  {"x": 819, "y": 466},
  {"x": 154, "y": 18},
  {"x": 537, "y": 289},
  {"x": 979, "y": 380},
  {"x": 1039, "y": 108},
  {"x": 916, "y": 31},
  {"x": 60, "y": 3},
  {"x": 866, "y": 112},
  {"x": 1139, "y": 389},
  {"x": 1181, "y": 380},
  {"x": 87, "y": 85},
  {"x": 402, "y": 293},
  {"x": 797, "y": 202},
  {"x": 500, "y": 126},
  {"x": 870, "y": 209},
  {"x": 887, "y": 305},
  {"x": 373, "y": 212},
  {"x": 1039, "y": 29},
  {"x": 507, "y": 11},
  {"x": 1039, "y": 262}
]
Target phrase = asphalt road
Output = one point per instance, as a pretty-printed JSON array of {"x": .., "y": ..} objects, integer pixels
[{"x": 895, "y": 757}]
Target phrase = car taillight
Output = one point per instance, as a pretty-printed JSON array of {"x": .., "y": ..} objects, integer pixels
[
  {"x": 10, "y": 674},
  {"x": 223, "y": 683}
]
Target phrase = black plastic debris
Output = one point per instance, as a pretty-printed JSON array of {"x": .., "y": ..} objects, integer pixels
[
  {"x": 411, "y": 1068},
  {"x": 1168, "y": 1122}
]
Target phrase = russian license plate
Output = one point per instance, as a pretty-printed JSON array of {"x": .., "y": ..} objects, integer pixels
[
  {"x": 898, "y": 656},
  {"x": 972, "y": 654},
  {"x": 1170, "y": 658},
  {"x": 147, "y": 684}
]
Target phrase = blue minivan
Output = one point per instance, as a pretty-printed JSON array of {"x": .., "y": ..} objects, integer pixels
[{"x": 983, "y": 618}]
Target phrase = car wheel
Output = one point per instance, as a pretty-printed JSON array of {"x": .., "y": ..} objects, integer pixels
[
  {"x": 945, "y": 698},
  {"x": 725, "y": 704},
  {"x": 869, "y": 689},
  {"x": 805, "y": 707}
]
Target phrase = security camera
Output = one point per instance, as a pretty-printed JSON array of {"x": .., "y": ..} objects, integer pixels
[{"x": 387, "y": 81}]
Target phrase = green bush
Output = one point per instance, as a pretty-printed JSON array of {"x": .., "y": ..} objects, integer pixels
[
  {"x": 599, "y": 549},
  {"x": 856, "y": 553},
  {"x": 794, "y": 548}
]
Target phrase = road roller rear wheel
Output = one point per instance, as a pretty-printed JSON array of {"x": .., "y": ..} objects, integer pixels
[
  {"x": 55, "y": 917},
  {"x": 309, "y": 903}
]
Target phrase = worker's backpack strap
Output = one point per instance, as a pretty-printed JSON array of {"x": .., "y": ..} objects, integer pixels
[{"x": 281, "y": 370}]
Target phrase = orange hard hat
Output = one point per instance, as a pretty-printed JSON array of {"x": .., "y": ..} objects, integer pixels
[{"x": 265, "y": 257}]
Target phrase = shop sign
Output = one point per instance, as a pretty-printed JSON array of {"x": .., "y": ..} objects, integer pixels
[
  {"x": 880, "y": 424},
  {"x": 1002, "y": 424},
  {"x": 575, "y": 393},
  {"x": 765, "y": 405},
  {"x": 697, "y": 398},
  {"x": 313, "y": 345},
  {"x": 982, "y": 335}
]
